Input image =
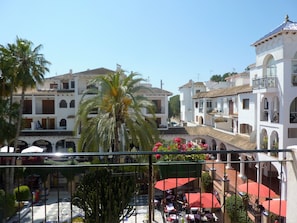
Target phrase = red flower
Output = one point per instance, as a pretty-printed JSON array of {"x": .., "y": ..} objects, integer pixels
[
  {"x": 158, "y": 156},
  {"x": 177, "y": 140}
]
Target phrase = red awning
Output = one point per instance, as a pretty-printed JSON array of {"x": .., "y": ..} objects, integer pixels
[
  {"x": 171, "y": 183},
  {"x": 278, "y": 207},
  {"x": 203, "y": 200},
  {"x": 257, "y": 189}
]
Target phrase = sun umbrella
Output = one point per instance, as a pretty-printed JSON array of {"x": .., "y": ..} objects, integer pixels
[
  {"x": 6, "y": 149},
  {"x": 33, "y": 149},
  {"x": 278, "y": 207},
  {"x": 257, "y": 189},
  {"x": 203, "y": 200},
  {"x": 170, "y": 183}
]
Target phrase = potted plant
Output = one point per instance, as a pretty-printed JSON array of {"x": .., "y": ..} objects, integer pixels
[{"x": 180, "y": 162}]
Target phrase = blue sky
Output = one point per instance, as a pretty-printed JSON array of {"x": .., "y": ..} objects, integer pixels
[{"x": 169, "y": 40}]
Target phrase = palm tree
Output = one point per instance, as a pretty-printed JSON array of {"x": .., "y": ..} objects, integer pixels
[
  {"x": 22, "y": 67},
  {"x": 118, "y": 119},
  {"x": 30, "y": 67}
]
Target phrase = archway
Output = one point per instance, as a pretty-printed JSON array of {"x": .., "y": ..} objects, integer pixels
[{"x": 44, "y": 144}]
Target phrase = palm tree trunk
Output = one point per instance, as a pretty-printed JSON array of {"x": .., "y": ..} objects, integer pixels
[{"x": 18, "y": 130}]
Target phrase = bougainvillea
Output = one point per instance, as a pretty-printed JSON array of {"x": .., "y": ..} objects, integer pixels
[{"x": 181, "y": 150}]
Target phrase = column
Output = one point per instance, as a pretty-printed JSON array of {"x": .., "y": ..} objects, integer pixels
[
  {"x": 242, "y": 166},
  {"x": 218, "y": 155},
  {"x": 228, "y": 166},
  {"x": 259, "y": 167},
  {"x": 291, "y": 185}
]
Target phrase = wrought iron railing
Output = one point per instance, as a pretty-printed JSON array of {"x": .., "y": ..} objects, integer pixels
[{"x": 60, "y": 192}]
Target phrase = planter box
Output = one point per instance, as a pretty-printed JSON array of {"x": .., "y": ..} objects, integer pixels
[{"x": 170, "y": 169}]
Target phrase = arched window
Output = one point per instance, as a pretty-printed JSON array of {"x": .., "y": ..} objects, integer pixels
[
  {"x": 63, "y": 123},
  {"x": 72, "y": 104},
  {"x": 293, "y": 111},
  {"x": 270, "y": 70},
  {"x": 294, "y": 70},
  {"x": 63, "y": 104}
]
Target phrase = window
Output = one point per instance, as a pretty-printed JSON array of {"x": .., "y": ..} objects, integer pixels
[
  {"x": 72, "y": 104},
  {"x": 65, "y": 85},
  {"x": 293, "y": 111},
  {"x": 266, "y": 105},
  {"x": 63, "y": 104},
  {"x": 53, "y": 86},
  {"x": 294, "y": 70},
  {"x": 157, "y": 104},
  {"x": 270, "y": 68},
  {"x": 209, "y": 104},
  {"x": 27, "y": 109},
  {"x": 245, "y": 104},
  {"x": 63, "y": 123},
  {"x": 72, "y": 84},
  {"x": 196, "y": 104}
]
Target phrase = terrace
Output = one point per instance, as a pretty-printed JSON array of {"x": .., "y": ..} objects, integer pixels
[{"x": 53, "y": 199}]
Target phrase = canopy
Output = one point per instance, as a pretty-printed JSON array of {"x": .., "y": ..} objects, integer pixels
[
  {"x": 278, "y": 207},
  {"x": 257, "y": 189},
  {"x": 203, "y": 200},
  {"x": 6, "y": 149},
  {"x": 33, "y": 149},
  {"x": 171, "y": 183}
]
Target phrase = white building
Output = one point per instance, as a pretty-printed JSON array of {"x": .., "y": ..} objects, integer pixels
[
  {"x": 257, "y": 111},
  {"x": 50, "y": 110}
]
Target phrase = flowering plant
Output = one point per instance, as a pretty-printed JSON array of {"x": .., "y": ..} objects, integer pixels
[{"x": 178, "y": 146}]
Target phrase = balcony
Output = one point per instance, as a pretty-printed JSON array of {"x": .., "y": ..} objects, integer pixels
[
  {"x": 264, "y": 83},
  {"x": 55, "y": 180}
]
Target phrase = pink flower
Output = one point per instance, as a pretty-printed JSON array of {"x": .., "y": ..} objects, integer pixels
[
  {"x": 190, "y": 144},
  {"x": 158, "y": 156},
  {"x": 177, "y": 140}
]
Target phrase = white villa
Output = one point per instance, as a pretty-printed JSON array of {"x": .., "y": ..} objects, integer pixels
[
  {"x": 50, "y": 110},
  {"x": 257, "y": 109}
]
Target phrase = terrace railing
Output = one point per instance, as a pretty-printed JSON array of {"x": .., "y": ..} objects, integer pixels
[{"x": 57, "y": 195}]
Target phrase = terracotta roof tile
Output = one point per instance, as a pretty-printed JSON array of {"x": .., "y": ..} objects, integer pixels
[{"x": 224, "y": 92}]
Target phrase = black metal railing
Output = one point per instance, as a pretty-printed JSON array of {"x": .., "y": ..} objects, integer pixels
[{"x": 129, "y": 187}]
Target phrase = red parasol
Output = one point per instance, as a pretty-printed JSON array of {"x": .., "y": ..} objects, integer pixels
[
  {"x": 257, "y": 189},
  {"x": 203, "y": 200},
  {"x": 278, "y": 207},
  {"x": 170, "y": 183}
]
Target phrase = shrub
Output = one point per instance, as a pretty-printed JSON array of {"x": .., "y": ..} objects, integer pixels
[
  {"x": 206, "y": 182},
  {"x": 105, "y": 190},
  {"x": 22, "y": 193},
  {"x": 7, "y": 203},
  {"x": 236, "y": 209}
]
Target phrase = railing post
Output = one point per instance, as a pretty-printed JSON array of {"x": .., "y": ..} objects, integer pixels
[{"x": 150, "y": 188}]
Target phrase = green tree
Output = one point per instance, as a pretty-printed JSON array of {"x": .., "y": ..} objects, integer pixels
[
  {"x": 174, "y": 106},
  {"x": 22, "y": 66},
  {"x": 118, "y": 121},
  {"x": 220, "y": 78},
  {"x": 29, "y": 67},
  {"x": 104, "y": 195},
  {"x": 8, "y": 110}
]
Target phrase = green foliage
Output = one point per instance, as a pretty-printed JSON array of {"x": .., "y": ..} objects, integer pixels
[
  {"x": 8, "y": 117},
  {"x": 105, "y": 194},
  {"x": 7, "y": 203},
  {"x": 206, "y": 182},
  {"x": 221, "y": 78},
  {"x": 174, "y": 106},
  {"x": 236, "y": 208},
  {"x": 22, "y": 193},
  {"x": 118, "y": 105}
]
